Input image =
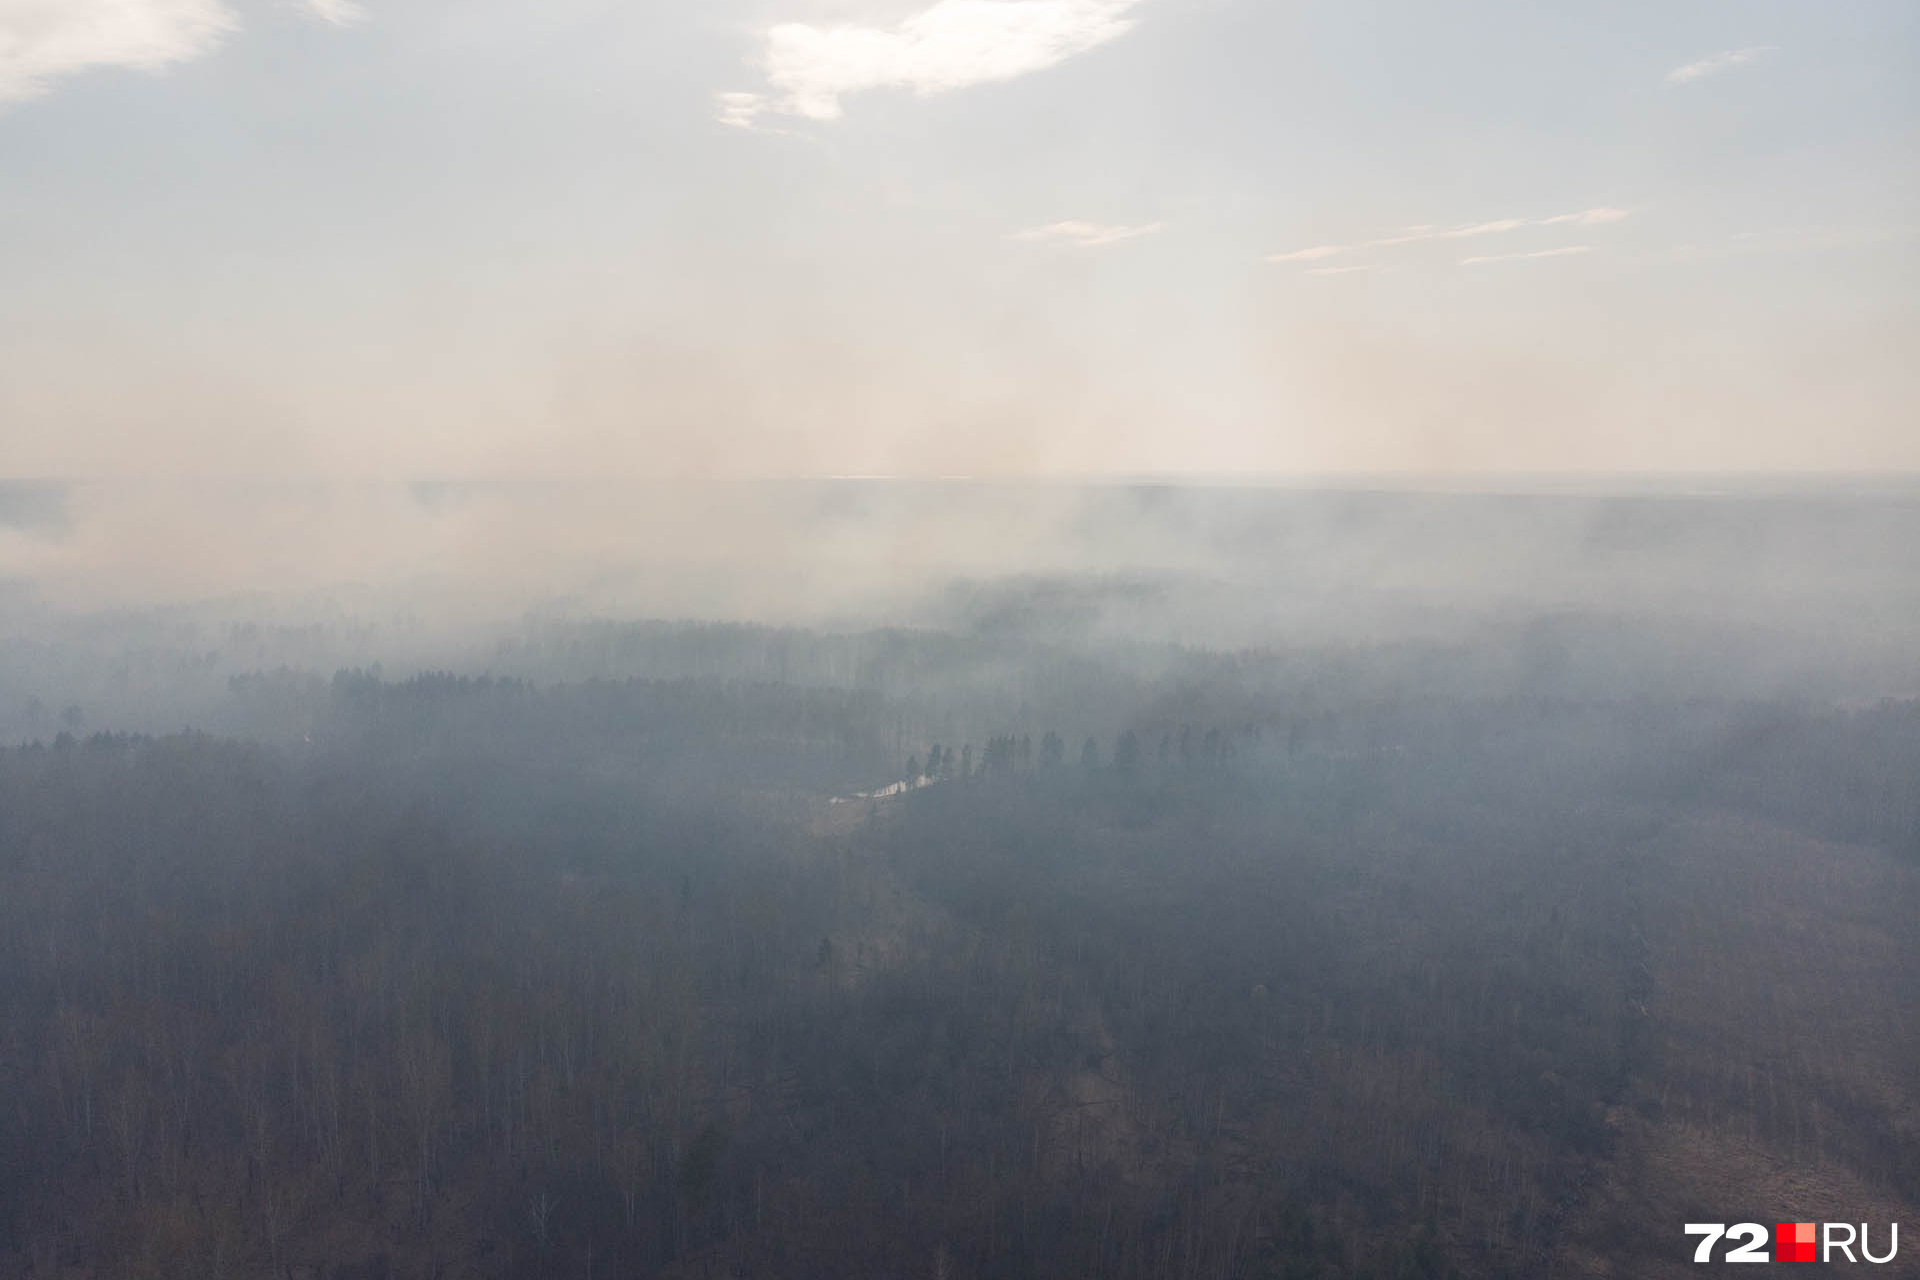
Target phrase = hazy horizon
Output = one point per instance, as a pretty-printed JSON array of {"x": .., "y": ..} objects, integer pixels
[
  {"x": 941, "y": 237},
  {"x": 986, "y": 639}
]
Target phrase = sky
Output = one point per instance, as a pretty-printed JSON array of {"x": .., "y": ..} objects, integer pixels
[{"x": 395, "y": 239}]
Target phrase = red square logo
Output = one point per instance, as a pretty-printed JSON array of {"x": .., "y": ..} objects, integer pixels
[{"x": 1793, "y": 1241}]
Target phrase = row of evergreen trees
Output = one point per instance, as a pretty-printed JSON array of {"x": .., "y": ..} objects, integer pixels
[{"x": 1009, "y": 753}]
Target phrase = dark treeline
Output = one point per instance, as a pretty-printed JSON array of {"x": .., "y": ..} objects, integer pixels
[
  {"x": 720, "y": 732},
  {"x": 1845, "y": 774},
  {"x": 482, "y": 977},
  {"x": 1028, "y": 657}
]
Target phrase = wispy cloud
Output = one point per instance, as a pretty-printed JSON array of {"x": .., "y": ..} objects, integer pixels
[
  {"x": 1314, "y": 254},
  {"x": 1344, "y": 271},
  {"x": 1589, "y": 218},
  {"x": 1086, "y": 235},
  {"x": 952, "y": 45},
  {"x": 44, "y": 41},
  {"x": 1722, "y": 61},
  {"x": 739, "y": 109},
  {"x": 341, "y": 13},
  {"x": 1413, "y": 235},
  {"x": 1424, "y": 232},
  {"x": 1537, "y": 253}
]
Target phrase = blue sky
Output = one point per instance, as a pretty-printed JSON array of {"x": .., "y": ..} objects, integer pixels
[{"x": 991, "y": 237}]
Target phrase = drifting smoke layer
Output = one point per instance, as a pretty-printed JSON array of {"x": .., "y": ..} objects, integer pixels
[{"x": 1745, "y": 588}]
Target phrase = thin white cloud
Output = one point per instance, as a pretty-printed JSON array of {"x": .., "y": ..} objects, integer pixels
[
  {"x": 1426, "y": 232},
  {"x": 1086, "y": 235},
  {"x": 1590, "y": 218},
  {"x": 1413, "y": 235},
  {"x": 1314, "y": 254},
  {"x": 1722, "y": 61},
  {"x": 44, "y": 41},
  {"x": 739, "y": 109},
  {"x": 341, "y": 13},
  {"x": 1344, "y": 271},
  {"x": 1537, "y": 253},
  {"x": 952, "y": 45}
]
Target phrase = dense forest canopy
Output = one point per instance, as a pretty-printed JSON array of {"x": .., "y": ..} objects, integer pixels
[
  {"x": 1223, "y": 908},
  {"x": 957, "y": 639},
  {"x": 478, "y": 975}
]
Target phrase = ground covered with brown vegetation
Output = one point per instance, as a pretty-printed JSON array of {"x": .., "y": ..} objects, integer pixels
[{"x": 488, "y": 981}]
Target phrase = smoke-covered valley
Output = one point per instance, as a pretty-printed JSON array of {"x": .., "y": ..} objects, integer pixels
[
  {"x": 953, "y": 879},
  {"x": 139, "y": 605}
]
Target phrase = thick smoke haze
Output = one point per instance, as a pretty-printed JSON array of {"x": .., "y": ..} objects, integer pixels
[
  {"x": 975, "y": 639},
  {"x": 1726, "y": 586}
]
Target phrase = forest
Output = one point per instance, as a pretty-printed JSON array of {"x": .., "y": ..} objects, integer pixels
[
  {"x": 1261, "y": 965},
  {"x": 958, "y": 639}
]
